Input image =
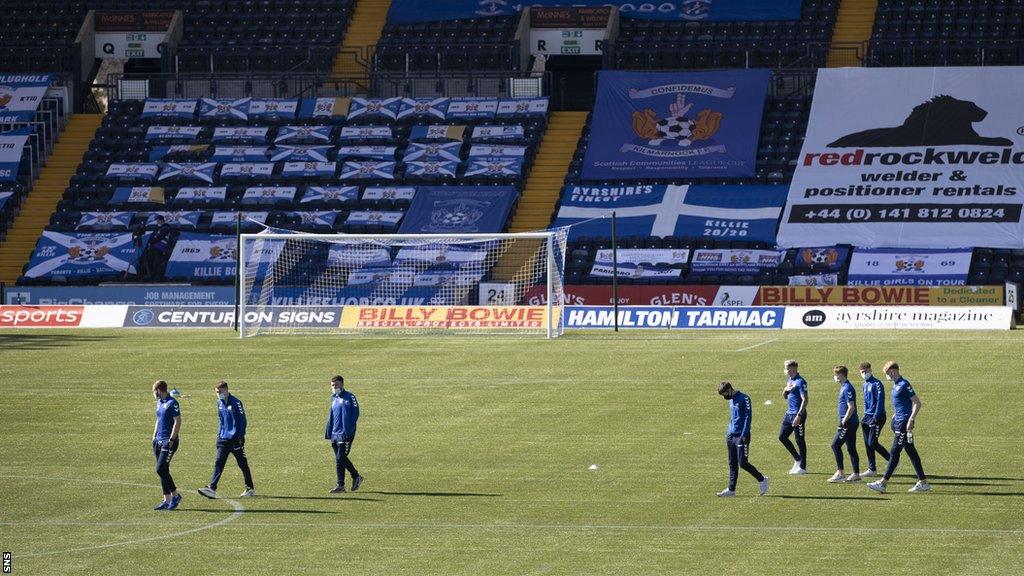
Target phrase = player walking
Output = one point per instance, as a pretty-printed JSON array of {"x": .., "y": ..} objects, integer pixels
[
  {"x": 795, "y": 418},
  {"x": 846, "y": 432},
  {"x": 737, "y": 440},
  {"x": 874, "y": 417},
  {"x": 905, "y": 406},
  {"x": 165, "y": 443},
  {"x": 230, "y": 440},
  {"x": 341, "y": 431}
]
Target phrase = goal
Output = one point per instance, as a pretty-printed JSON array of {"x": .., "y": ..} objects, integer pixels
[{"x": 401, "y": 283}]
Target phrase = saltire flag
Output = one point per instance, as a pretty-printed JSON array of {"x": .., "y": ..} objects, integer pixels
[
  {"x": 224, "y": 108},
  {"x": 358, "y": 256},
  {"x": 239, "y": 154},
  {"x": 273, "y": 109},
  {"x": 374, "y": 108},
  {"x": 309, "y": 169},
  {"x": 367, "y": 152},
  {"x": 303, "y": 134},
  {"x": 368, "y": 171},
  {"x": 251, "y": 134},
  {"x": 106, "y": 220},
  {"x": 435, "y": 133},
  {"x": 80, "y": 254},
  {"x": 734, "y": 262},
  {"x": 138, "y": 194},
  {"x": 169, "y": 107},
  {"x": 432, "y": 168},
  {"x": 331, "y": 108},
  {"x": 189, "y": 133},
  {"x": 497, "y": 133},
  {"x": 389, "y": 193},
  {"x": 748, "y": 213},
  {"x": 388, "y": 218},
  {"x": 228, "y": 217},
  {"x": 522, "y": 107},
  {"x": 316, "y": 217},
  {"x": 180, "y": 218},
  {"x": 198, "y": 255},
  {"x": 472, "y": 108},
  {"x": 201, "y": 194},
  {"x": 247, "y": 170},
  {"x": 133, "y": 170},
  {"x": 331, "y": 194},
  {"x": 433, "y": 151},
  {"x": 429, "y": 107},
  {"x": 488, "y": 166},
  {"x": 366, "y": 133},
  {"x": 301, "y": 153},
  {"x": 269, "y": 195},
  {"x": 202, "y": 171},
  {"x": 159, "y": 152},
  {"x": 497, "y": 151},
  {"x": 12, "y": 144}
]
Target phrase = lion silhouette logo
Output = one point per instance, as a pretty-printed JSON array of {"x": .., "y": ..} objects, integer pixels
[
  {"x": 676, "y": 128},
  {"x": 941, "y": 121}
]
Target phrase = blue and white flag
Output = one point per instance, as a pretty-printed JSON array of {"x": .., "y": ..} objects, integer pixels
[
  {"x": 636, "y": 271},
  {"x": 269, "y": 195},
  {"x": 160, "y": 152},
  {"x": 433, "y": 151},
  {"x": 224, "y": 108},
  {"x": 432, "y": 168},
  {"x": 367, "y": 152},
  {"x": 303, "y": 134},
  {"x": 459, "y": 209},
  {"x": 834, "y": 257},
  {"x": 301, "y": 153},
  {"x": 357, "y": 256},
  {"x": 441, "y": 255},
  {"x": 389, "y": 193},
  {"x": 198, "y": 255},
  {"x": 366, "y": 133},
  {"x": 169, "y": 107},
  {"x": 498, "y": 133},
  {"x": 178, "y": 218},
  {"x": 437, "y": 133},
  {"x": 909, "y": 267},
  {"x": 249, "y": 134},
  {"x": 748, "y": 213},
  {"x": 331, "y": 194},
  {"x": 137, "y": 195},
  {"x": 245, "y": 170},
  {"x": 372, "y": 217},
  {"x": 80, "y": 254},
  {"x": 20, "y": 96},
  {"x": 309, "y": 169},
  {"x": 4, "y": 197},
  {"x": 273, "y": 109},
  {"x": 324, "y": 108},
  {"x": 498, "y": 167},
  {"x": 374, "y": 108},
  {"x": 188, "y": 133},
  {"x": 316, "y": 217},
  {"x": 227, "y": 217},
  {"x": 472, "y": 108},
  {"x": 436, "y": 108},
  {"x": 497, "y": 151},
  {"x": 640, "y": 263},
  {"x": 239, "y": 154},
  {"x": 198, "y": 194},
  {"x": 133, "y": 171},
  {"x": 368, "y": 171},
  {"x": 12, "y": 144},
  {"x": 734, "y": 262},
  {"x": 201, "y": 171},
  {"x": 509, "y": 107},
  {"x": 105, "y": 220},
  {"x": 675, "y": 124}
]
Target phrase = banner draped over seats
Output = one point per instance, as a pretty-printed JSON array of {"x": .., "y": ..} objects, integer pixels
[
  {"x": 921, "y": 267},
  {"x": 21, "y": 95},
  {"x": 12, "y": 143},
  {"x": 198, "y": 255},
  {"x": 82, "y": 254},
  {"x": 911, "y": 158},
  {"x": 459, "y": 209}
]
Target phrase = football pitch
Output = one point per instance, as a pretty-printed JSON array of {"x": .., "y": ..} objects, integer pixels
[{"x": 476, "y": 453}]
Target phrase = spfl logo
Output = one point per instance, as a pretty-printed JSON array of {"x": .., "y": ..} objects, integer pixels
[{"x": 143, "y": 317}]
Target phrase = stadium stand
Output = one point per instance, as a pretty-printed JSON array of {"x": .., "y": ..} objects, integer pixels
[{"x": 470, "y": 44}]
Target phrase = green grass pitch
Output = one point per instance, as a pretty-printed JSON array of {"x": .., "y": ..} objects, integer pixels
[{"x": 476, "y": 455}]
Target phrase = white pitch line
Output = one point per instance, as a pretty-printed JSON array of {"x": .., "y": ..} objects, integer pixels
[{"x": 756, "y": 345}]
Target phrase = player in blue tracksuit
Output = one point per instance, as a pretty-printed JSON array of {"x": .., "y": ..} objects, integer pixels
[
  {"x": 737, "y": 440},
  {"x": 341, "y": 431},
  {"x": 230, "y": 440},
  {"x": 874, "y": 417},
  {"x": 846, "y": 432},
  {"x": 905, "y": 406},
  {"x": 165, "y": 443},
  {"x": 795, "y": 418}
]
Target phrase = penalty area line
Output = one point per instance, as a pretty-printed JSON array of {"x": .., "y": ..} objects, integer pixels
[{"x": 758, "y": 345}]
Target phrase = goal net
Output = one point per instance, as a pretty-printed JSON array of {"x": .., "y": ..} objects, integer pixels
[{"x": 394, "y": 283}]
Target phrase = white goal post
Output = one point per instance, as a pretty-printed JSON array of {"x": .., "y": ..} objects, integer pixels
[{"x": 508, "y": 283}]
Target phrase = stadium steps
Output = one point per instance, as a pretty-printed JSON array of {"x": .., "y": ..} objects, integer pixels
[
  {"x": 543, "y": 188},
  {"x": 853, "y": 25},
  {"x": 363, "y": 31},
  {"x": 42, "y": 200}
]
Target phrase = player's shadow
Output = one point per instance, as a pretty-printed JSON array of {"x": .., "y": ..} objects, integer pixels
[
  {"x": 934, "y": 477},
  {"x": 793, "y": 497},
  {"x": 338, "y": 497},
  {"x": 45, "y": 341},
  {"x": 440, "y": 494},
  {"x": 970, "y": 484}
]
